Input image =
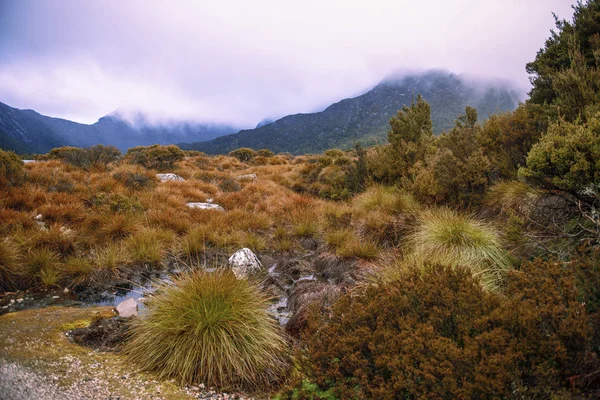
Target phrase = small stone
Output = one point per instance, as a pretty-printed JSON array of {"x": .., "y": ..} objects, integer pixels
[
  {"x": 206, "y": 206},
  {"x": 4, "y": 306},
  {"x": 55, "y": 297},
  {"x": 39, "y": 217},
  {"x": 19, "y": 300},
  {"x": 250, "y": 177},
  {"x": 209, "y": 200},
  {"x": 127, "y": 308},
  {"x": 169, "y": 177},
  {"x": 66, "y": 290},
  {"x": 12, "y": 301},
  {"x": 244, "y": 262}
]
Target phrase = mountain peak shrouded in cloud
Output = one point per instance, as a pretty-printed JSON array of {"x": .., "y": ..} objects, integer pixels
[{"x": 236, "y": 62}]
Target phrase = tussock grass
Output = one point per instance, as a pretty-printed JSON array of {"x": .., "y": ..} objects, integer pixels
[
  {"x": 77, "y": 271},
  {"x": 446, "y": 237},
  {"x": 111, "y": 259},
  {"x": 386, "y": 199},
  {"x": 366, "y": 249},
  {"x": 10, "y": 265},
  {"x": 210, "y": 328},
  {"x": 41, "y": 266},
  {"x": 512, "y": 195},
  {"x": 149, "y": 245}
]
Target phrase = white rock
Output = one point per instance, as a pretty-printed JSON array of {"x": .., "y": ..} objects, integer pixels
[
  {"x": 206, "y": 206},
  {"x": 55, "y": 297},
  {"x": 12, "y": 301},
  {"x": 247, "y": 177},
  {"x": 169, "y": 177},
  {"x": 209, "y": 200},
  {"x": 127, "y": 308},
  {"x": 19, "y": 300},
  {"x": 39, "y": 217},
  {"x": 66, "y": 290},
  {"x": 244, "y": 262}
]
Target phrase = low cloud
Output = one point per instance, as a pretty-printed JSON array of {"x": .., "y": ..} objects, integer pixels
[{"x": 239, "y": 62}]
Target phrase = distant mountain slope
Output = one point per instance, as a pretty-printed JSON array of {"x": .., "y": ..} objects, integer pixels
[
  {"x": 26, "y": 131},
  {"x": 365, "y": 118}
]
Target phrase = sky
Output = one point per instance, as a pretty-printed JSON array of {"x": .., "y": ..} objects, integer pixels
[{"x": 238, "y": 62}]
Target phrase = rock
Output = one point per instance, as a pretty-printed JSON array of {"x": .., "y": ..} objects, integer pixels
[
  {"x": 55, "y": 297},
  {"x": 12, "y": 301},
  {"x": 206, "y": 206},
  {"x": 209, "y": 200},
  {"x": 244, "y": 262},
  {"x": 169, "y": 177},
  {"x": 127, "y": 308},
  {"x": 247, "y": 177},
  {"x": 19, "y": 300},
  {"x": 66, "y": 290},
  {"x": 39, "y": 217}
]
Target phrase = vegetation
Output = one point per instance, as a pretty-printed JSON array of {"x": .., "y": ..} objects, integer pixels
[
  {"x": 210, "y": 328},
  {"x": 155, "y": 156},
  {"x": 11, "y": 169}
]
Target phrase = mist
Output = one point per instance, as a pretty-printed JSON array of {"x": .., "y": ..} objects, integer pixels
[{"x": 236, "y": 63}]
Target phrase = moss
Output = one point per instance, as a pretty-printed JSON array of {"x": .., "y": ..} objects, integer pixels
[{"x": 36, "y": 339}]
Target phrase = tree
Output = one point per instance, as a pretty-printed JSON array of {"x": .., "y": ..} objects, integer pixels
[{"x": 410, "y": 141}]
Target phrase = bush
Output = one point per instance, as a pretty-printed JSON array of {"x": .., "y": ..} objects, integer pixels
[
  {"x": 209, "y": 328},
  {"x": 155, "y": 156},
  {"x": 438, "y": 334},
  {"x": 446, "y": 237},
  {"x": 98, "y": 156},
  {"x": 135, "y": 178},
  {"x": 11, "y": 169},
  {"x": 243, "y": 154},
  {"x": 265, "y": 153}
]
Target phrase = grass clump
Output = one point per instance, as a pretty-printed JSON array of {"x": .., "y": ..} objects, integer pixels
[
  {"x": 210, "y": 328},
  {"x": 41, "y": 266},
  {"x": 148, "y": 246},
  {"x": 512, "y": 195},
  {"x": 10, "y": 265},
  {"x": 387, "y": 199},
  {"x": 446, "y": 237}
]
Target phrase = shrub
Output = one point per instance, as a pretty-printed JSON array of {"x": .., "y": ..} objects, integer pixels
[
  {"x": 155, "y": 156},
  {"x": 10, "y": 265},
  {"x": 243, "y": 154},
  {"x": 436, "y": 333},
  {"x": 72, "y": 155},
  {"x": 446, "y": 237},
  {"x": 209, "y": 328},
  {"x": 11, "y": 169},
  {"x": 265, "y": 153},
  {"x": 101, "y": 155}
]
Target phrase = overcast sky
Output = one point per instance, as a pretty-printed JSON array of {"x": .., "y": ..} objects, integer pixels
[{"x": 241, "y": 61}]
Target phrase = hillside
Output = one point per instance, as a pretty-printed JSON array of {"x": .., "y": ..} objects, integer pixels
[
  {"x": 26, "y": 131},
  {"x": 365, "y": 118}
]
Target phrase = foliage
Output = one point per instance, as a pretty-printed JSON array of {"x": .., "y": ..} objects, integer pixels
[
  {"x": 209, "y": 328},
  {"x": 98, "y": 156},
  {"x": 155, "y": 156},
  {"x": 446, "y": 237},
  {"x": 438, "y": 334},
  {"x": 10, "y": 265},
  {"x": 556, "y": 55},
  {"x": 243, "y": 154},
  {"x": 265, "y": 153},
  {"x": 11, "y": 169},
  {"x": 410, "y": 139},
  {"x": 357, "y": 174}
]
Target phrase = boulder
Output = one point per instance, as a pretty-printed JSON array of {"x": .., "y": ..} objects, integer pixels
[
  {"x": 206, "y": 206},
  {"x": 249, "y": 177},
  {"x": 127, "y": 308},
  {"x": 169, "y": 177},
  {"x": 244, "y": 262}
]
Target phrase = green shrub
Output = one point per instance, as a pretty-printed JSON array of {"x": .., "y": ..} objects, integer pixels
[
  {"x": 155, "y": 156},
  {"x": 209, "y": 328},
  {"x": 436, "y": 333},
  {"x": 11, "y": 169},
  {"x": 95, "y": 156},
  {"x": 265, "y": 153},
  {"x": 446, "y": 237},
  {"x": 243, "y": 154}
]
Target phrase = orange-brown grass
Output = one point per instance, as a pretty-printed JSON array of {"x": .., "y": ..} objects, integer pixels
[
  {"x": 10, "y": 265},
  {"x": 66, "y": 213},
  {"x": 119, "y": 226},
  {"x": 177, "y": 221},
  {"x": 12, "y": 220},
  {"x": 23, "y": 198},
  {"x": 56, "y": 237},
  {"x": 149, "y": 245}
]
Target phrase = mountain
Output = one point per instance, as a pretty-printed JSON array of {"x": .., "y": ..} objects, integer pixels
[
  {"x": 26, "y": 131},
  {"x": 365, "y": 118}
]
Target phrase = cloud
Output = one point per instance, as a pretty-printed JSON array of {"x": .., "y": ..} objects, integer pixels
[{"x": 239, "y": 62}]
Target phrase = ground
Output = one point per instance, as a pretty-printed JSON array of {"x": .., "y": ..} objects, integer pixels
[{"x": 39, "y": 361}]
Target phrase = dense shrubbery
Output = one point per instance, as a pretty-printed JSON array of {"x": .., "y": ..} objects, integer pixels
[
  {"x": 243, "y": 154},
  {"x": 436, "y": 333},
  {"x": 155, "y": 156},
  {"x": 98, "y": 156},
  {"x": 11, "y": 169},
  {"x": 209, "y": 328}
]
